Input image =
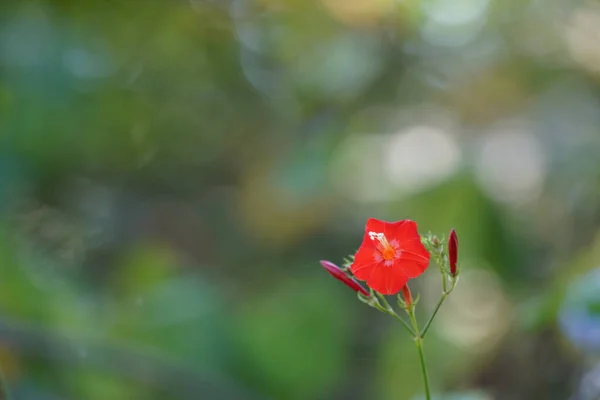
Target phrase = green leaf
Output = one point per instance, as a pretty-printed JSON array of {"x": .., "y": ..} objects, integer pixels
[{"x": 293, "y": 341}]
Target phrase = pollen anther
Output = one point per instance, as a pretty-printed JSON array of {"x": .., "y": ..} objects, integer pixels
[
  {"x": 387, "y": 250},
  {"x": 376, "y": 235}
]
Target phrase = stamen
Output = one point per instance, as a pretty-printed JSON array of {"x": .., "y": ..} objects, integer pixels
[{"x": 387, "y": 251}]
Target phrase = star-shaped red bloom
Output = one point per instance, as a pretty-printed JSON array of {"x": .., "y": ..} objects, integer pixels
[{"x": 391, "y": 253}]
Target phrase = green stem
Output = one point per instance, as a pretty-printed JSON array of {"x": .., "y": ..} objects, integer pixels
[
  {"x": 423, "y": 368},
  {"x": 435, "y": 311},
  {"x": 404, "y": 323},
  {"x": 419, "y": 342},
  {"x": 444, "y": 280},
  {"x": 389, "y": 310},
  {"x": 385, "y": 302},
  {"x": 439, "y": 304}
]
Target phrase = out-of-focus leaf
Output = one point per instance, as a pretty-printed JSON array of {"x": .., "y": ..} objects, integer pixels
[
  {"x": 292, "y": 341},
  {"x": 95, "y": 385},
  {"x": 178, "y": 315}
]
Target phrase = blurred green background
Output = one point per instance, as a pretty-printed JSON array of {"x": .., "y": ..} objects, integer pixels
[{"x": 171, "y": 171}]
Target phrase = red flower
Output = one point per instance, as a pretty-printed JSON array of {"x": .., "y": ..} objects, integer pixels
[
  {"x": 339, "y": 274},
  {"x": 391, "y": 253},
  {"x": 452, "y": 251}
]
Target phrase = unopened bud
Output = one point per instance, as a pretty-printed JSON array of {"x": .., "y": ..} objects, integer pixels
[
  {"x": 452, "y": 251},
  {"x": 407, "y": 295},
  {"x": 340, "y": 275}
]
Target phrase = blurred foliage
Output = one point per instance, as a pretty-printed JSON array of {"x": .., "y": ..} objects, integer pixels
[{"x": 172, "y": 171}]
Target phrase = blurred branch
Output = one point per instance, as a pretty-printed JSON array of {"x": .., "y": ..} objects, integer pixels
[{"x": 151, "y": 370}]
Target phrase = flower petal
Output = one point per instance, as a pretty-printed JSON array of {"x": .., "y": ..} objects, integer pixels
[
  {"x": 421, "y": 256},
  {"x": 410, "y": 268},
  {"x": 412, "y": 256},
  {"x": 364, "y": 260},
  {"x": 364, "y": 263},
  {"x": 407, "y": 235},
  {"x": 401, "y": 230},
  {"x": 377, "y": 225},
  {"x": 387, "y": 280},
  {"x": 405, "y": 232}
]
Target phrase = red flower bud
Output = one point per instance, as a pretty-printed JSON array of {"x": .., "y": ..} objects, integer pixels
[
  {"x": 452, "y": 251},
  {"x": 407, "y": 295},
  {"x": 340, "y": 275}
]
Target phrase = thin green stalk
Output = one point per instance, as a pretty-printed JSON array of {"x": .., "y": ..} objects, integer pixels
[
  {"x": 404, "y": 323},
  {"x": 385, "y": 302},
  {"x": 444, "y": 280},
  {"x": 437, "y": 308},
  {"x": 419, "y": 343},
  {"x": 388, "y": 309},
  {"x": 423, "y": 368},
  {"x": 439, "y": 304}
]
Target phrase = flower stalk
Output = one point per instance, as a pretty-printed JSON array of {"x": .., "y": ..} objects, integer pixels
[{"x": 419, "y": 344}]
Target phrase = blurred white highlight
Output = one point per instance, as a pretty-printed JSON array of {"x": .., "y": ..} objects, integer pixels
[
  {"x": 453, "y": 23},
  {"x": 511, "y": 165},
  {"x": 456, "y": 12},
  {"x": 357, "y": 171},
  {"x": 582, "y": 34},
  {"x": 422, "y": 152},
  {"x": 476, "y": 315},
  {"x": 421, "y": 157}
]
